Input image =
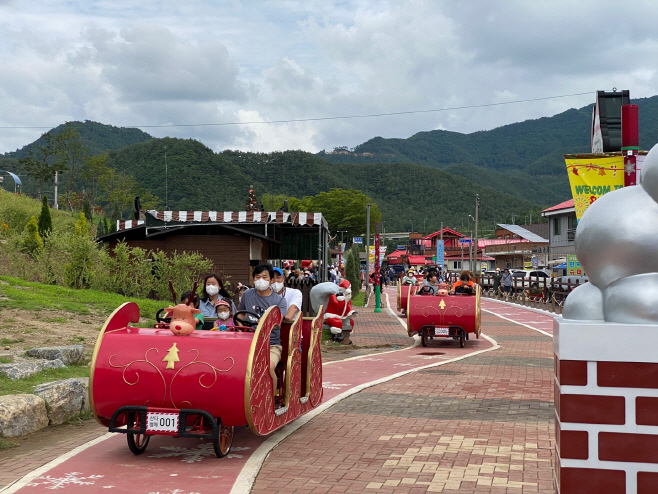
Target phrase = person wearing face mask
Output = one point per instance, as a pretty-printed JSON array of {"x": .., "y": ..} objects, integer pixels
[
  {"x": 213, "y": 290},
  {"x": 224, "y": 315},
  {"x": 292, "y": 295},
  {"x": 257, "y": 300}
]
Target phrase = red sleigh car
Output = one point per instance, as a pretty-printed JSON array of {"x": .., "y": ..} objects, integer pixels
[
  {"x": 203, "y": 384},
  {"x": 443, "y": 316}
]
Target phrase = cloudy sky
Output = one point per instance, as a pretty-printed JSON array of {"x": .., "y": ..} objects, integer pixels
[{"x": 158, "y": 63}]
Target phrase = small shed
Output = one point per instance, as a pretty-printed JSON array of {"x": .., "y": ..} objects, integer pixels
[{"x": 234, "y": 241}]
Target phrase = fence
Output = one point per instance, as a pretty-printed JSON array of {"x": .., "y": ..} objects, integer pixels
[
  {"x": 536, "y": 292},
  {"x": 304, "y": 285}
]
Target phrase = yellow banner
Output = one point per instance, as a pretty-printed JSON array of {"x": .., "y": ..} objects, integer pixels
[{"x": 592, "y": 177}]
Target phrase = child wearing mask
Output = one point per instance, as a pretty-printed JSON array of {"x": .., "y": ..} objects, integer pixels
[{"x": 224, "y": 316}]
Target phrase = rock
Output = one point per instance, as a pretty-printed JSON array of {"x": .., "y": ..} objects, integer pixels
[
  {"x": 21, "y": 415},
  {"x": 19, "y": 370},
  {"x": 64, "y": 399},
  {"x": 69, "y": 354}
]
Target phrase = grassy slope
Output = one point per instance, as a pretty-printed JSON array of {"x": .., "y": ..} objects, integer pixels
[{"x": 20, "y": 294}]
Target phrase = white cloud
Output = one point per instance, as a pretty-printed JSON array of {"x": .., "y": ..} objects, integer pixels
[{"x": 165, "y": 62}]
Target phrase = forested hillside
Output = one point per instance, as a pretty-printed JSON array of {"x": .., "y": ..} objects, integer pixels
[
  {"x": 96, "y": 137},
  {"x": 523, "y": 158},
  {"x": 405, "y": 193},
  {"x": 426, "y": 179}
]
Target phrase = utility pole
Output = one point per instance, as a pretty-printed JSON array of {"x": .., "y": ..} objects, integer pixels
[
  {"x": 56, "y": 184},
  {"x": 367, "y": 280},
  {"x": 445, "y": 269},
  {"x": 470, "y": 253},
  {"x": 166, "y": 182},
  {"x": 477, "y": 208}
]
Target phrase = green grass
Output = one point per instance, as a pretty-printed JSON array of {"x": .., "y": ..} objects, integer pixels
[
  {"x": 4, "y": 444},
  {"x": 358, "y": 299},
  {"x": 26, "y": 386},
  {"x": 9, "y": 341},
  {"x": 77, "y": 420},
  {"x": 26, "y": 295},
  {"x": 6, "y": 360}
]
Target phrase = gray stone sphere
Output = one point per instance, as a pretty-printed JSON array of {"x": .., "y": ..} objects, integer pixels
[{"x": 584, "y": 303}]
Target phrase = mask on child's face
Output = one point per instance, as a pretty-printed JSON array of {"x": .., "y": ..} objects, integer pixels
[{"x": 223, "y": 315}]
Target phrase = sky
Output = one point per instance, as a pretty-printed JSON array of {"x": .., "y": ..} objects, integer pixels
[{"x": 161, "y": 63}]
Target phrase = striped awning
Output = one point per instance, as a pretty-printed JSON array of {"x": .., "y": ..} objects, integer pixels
[{"x": 261, "y": 217}]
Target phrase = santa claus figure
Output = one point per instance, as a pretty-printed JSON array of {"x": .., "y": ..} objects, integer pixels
[{"x": 339, "y": 314}]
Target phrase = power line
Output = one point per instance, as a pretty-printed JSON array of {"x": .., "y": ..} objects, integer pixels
[{"x": 341, "y": 117}]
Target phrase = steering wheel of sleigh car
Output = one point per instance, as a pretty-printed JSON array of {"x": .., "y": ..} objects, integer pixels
[
  {"x": 160, "y": 318},
  {"x": 250, "y": 325},
  {"x": 426, "y": 290}
]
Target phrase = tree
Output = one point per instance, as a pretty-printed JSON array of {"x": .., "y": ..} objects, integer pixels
[
  {"x": 86, "y": 208},
  {"x": 95, "y": 172},
  {"x": 45, "y": 225},
  {"x": 344, "y": 209},
  {"x": 79, "y": 269},
  {"x": 32, "y": 242},
  {"x": 72, "y": 152},
  {"x": 42, "y": 164},
  {"x": 353, "y": 267},
  {"x": 100, "y": 229}
]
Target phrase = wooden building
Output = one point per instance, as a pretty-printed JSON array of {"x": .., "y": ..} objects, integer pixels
[{"x": 234, "y": 241}]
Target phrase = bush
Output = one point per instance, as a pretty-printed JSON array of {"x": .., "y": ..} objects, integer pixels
[
  {"x": 182, "y": 269},
  {"x": 16, "y": 211},
  {"x": 32, "y": 242},
  {"x": 83, "y": 250}
]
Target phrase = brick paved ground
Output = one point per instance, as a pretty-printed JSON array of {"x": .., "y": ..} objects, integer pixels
[
  {"x": 43, "y": 446},
  {"x": 480, "y": 425}
]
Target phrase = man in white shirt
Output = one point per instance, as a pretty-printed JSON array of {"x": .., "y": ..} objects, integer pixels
[{"x": 292, "y": 295}]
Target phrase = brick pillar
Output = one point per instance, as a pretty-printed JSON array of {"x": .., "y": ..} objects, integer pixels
[{"x": 606, "y": 407}]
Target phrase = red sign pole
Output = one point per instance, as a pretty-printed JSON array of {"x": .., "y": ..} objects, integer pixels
[{"x": 630, "y": 142}]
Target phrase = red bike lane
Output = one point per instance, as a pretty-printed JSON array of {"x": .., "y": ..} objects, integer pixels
[{"x": 184, "y": 466}]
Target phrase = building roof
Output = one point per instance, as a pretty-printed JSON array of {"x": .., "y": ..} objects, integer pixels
[
  {"x": 262, "y": 217},
  {"x": 563, "y": 205},
  {"x": 486, "y": 242},
  {"x": 445, "y": 231},
  {"x": 523, "y": 233},
  {"x": 396, "y": 254}
]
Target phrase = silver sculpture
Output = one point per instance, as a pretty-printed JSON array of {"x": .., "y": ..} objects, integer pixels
[{"x": 617, "y": 246}]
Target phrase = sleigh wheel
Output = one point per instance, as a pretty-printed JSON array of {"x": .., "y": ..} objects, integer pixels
[
  {"x": 137, "y": 443},
  {"x": 424, "y": 339},
  {"x": 224, "y": 440}
]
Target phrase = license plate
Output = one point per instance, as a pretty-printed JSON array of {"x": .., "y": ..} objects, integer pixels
[
  {"x": 161, "y": 422},
  {"x": 441, "y": 331}
]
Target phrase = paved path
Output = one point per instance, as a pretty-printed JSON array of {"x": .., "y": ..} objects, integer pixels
[
  {"x": 483, "y": 424},
  {"x": 421, "y": 403}
]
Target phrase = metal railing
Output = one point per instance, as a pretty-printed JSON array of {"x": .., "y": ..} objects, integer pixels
[{"x": 536, "y": 292}]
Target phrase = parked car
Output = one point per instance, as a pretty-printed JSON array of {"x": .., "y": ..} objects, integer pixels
[
  {"x": 568, "y": 283},
  {"x": 532, "y": 277}
]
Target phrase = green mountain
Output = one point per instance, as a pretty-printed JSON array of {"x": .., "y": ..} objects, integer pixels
[
  {"x": 523, "y": 158},
  {"x": 407, "y": 194},
  {"x": 429, "y": 178},
  {"x": 97, "y": 137}
]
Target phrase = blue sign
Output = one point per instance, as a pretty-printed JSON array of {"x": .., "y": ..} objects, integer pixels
[
  {"x": 439, "y": 254},
  {"x": 401, "y": 247},
  {"x": 464, "y": 241},
  {"x": 357, "y": 240},
  {"x": 535, "y": 263}
]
